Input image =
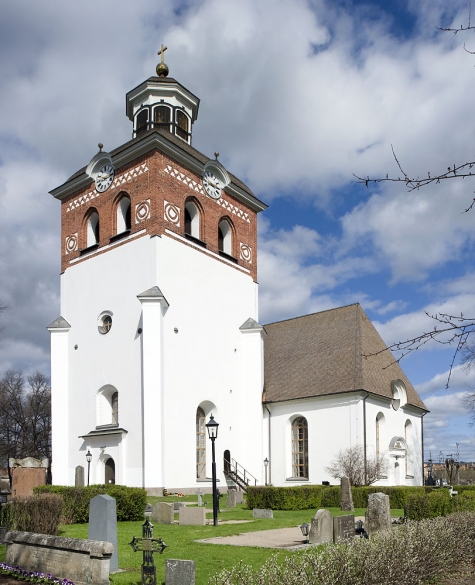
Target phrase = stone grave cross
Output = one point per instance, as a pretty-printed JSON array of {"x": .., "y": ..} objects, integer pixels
[{"x": 148, "y": 545}]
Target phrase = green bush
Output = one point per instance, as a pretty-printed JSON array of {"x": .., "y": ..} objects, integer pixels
[
  {"x": 285, "y": 498},
  {"x": 464, "y": 502},
  {"x": 412, "y": 553},
  {"x": 130, "y": 502},
  {"x": 428, "y": 505},
  {"x": 40, "y": 514}
]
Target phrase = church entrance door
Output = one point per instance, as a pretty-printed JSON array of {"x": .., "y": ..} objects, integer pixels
[
  {"x": 227, "y": 461},
  {"x": 109, "y": 471}
]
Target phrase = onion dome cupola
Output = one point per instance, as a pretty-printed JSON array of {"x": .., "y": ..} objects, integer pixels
[{"x": 161, "y": 102}]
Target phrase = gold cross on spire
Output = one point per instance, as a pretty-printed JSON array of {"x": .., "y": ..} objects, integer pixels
[
  {"x": 162, "y": 50},
  {"x": 162, "y": 68}
]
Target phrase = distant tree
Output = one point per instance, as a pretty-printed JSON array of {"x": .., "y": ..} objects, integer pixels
[
  {"x": 25, "y": 416},
  {"x": 451, "y": 470},
  {"x": 452, "y": 330},
  {"x": 350, "y": 463}
]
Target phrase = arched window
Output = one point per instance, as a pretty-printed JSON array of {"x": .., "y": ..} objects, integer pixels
[
  {"x": 182, "y": 125},
  {"x": 408, "y": 436},
  {"x": 162, "y": 117},
  {"x": 93, "y": 229},
  {"x": 192, "y": 220},
  {"x": 107, "y": 406},
  {"x": 123, "y": 215},
  {"x": 115, "y": 408},
  {"x": 300, "y": 447},
  {"x": 141, "y": 121},
  {"x": 200, "y": 444},
  {"x": 225, "y": 237}
]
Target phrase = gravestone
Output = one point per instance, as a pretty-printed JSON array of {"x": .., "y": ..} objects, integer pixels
[
  {"x": 178, "y": 572},
  {"x": 378, "y": 514},
  {"x": 239, "y": 497},
  {"x": 192, "y": 516},
  {"x": 103, "y": 524},
  {"x": 163, "y": 513},
  {"x": 262, "y": 513},
  {"x": 178, "y": 505},
  {"x": 79, "y": 476},
  {"x": 321, "y": 528},
  {"x": 346, "y": 497},
  {"x": 231, "y": 498},
  {"x": 343, "y": 528},
  {"x": 80, "y": 561},
  {"x": 199, "y": 493},
  {"x": 27, "y": 473}
]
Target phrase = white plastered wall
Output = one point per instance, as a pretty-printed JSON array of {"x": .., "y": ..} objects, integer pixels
[{"x": 202, "y": 361}]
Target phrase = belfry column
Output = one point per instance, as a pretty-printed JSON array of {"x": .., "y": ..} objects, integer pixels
[
  {"x": 59, "y": 330},
  {"x": 154, "y": 307}
]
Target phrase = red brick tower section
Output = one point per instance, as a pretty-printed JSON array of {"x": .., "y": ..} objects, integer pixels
[{"x": 158, "y": 188}]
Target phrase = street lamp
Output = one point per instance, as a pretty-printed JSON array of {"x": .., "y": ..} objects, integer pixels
[
  {"x": 266, "y": 464},
  {"x": 212, "y": 427},
  {"x": 88, "y": 459}
]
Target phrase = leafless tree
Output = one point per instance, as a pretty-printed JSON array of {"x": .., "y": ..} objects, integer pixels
[
  {"x": 451, "y": 470},
  {"x": 25, "y": 416},
  {"x": 350, "y": 463},
  {"x": 447, "y": 329}
]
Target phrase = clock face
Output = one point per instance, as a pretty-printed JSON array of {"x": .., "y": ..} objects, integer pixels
[
  {"x": 104, "y": 177},
  {"x": 212, "y": 185}
]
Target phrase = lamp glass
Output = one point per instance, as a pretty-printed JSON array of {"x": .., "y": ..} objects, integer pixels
[
  {"x": 212, "y": 427},
  {"x": 88, "y": 456},
  {"x": 304, "y": 528}
]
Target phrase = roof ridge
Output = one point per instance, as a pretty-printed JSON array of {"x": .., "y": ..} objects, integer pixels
[{"x": 315, "y": 313}]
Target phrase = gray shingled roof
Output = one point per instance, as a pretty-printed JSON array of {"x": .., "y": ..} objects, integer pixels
[{"x": 324, "y": 353}]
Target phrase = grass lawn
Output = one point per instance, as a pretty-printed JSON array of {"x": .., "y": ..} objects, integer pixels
[{"x": 209, "y": 558}]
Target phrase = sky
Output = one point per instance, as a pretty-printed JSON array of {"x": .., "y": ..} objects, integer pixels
[{"x": 298, "y": 97}]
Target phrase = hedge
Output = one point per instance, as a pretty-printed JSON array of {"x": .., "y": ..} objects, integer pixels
[
  {"x": 285, "y": 498},
  {"x": 40, "y": 513},
  {"x": 317, "y": 496},
  {"x": 130, "y": 502}
]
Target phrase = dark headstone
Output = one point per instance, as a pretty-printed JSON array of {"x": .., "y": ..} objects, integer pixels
[{"x": 343, "y": 528}]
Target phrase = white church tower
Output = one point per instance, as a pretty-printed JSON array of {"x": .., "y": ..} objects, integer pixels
[{"x": 158, "y": 327}]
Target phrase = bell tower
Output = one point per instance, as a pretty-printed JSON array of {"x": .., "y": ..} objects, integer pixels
[{"x": 159, "y": 278}]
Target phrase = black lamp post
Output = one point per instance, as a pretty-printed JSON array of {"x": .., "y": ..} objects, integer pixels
[
  {"x": 212, "y": 427},
  {"x": 88, "y": 459},
  {"x": 266, "y": 465}
]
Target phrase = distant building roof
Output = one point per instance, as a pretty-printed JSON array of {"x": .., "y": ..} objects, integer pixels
[{"x": 329, "y": 353}]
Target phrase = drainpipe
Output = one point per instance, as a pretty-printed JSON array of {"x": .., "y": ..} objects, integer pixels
[
  {"x": 269, "y": 445},
  {"x": 364, "y": 437},
  {"x": 422, "y": 444}
]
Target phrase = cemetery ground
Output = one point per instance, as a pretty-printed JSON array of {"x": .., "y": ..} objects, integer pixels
[{"x": 210, "y": 558}]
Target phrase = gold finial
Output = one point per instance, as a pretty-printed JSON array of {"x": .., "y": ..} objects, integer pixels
[
  {"x": 101, "y": 146},
  {"x": 216, "y": 154},
  {"x": 162, "y": 68}
]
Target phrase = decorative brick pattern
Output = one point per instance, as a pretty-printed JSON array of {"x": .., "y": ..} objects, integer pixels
[
  {"x": 71, "y": 243},
  {"x": 245, "y": 252},
  {"x": 142, "y": 211},
  {"x": 172, "y": 213},
  {"x": 119, "y": 180},
  {"x": 189, "y": 182}
]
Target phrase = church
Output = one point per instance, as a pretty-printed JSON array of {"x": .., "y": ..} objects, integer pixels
[{"x": 159, "y": 331}]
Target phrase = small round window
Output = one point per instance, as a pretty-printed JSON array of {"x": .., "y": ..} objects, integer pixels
[{"x": 105, "y": 324}]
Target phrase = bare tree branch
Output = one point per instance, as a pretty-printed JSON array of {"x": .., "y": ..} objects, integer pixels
[{"x": 350, "y": 463}]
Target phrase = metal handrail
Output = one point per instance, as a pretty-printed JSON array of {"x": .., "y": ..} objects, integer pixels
[{"x": 241, "y": 472}]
